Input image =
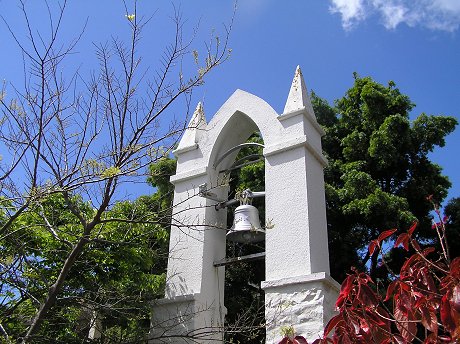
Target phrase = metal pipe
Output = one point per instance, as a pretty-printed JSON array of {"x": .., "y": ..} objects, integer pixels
[{"x": 250, "y": 194}]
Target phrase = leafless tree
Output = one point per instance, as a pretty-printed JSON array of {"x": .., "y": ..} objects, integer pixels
[{"x": 72, "y": 135}]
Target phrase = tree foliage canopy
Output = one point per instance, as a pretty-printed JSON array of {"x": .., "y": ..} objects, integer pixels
[
  {"x": 379, "y": 172},
  {"x": 121, "y": 269}
]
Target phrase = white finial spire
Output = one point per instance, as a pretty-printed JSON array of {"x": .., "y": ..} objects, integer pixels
[
  {"x": 298, "y": 95},
  {"x": 193, "y": 132}
]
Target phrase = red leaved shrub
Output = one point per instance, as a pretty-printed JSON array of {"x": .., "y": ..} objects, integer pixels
[{"x": 421, "y": 304}]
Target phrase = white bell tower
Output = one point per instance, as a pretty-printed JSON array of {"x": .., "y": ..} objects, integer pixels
[{"x": 298, "y": 289}]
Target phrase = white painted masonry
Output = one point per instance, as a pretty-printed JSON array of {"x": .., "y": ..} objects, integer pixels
[{"x": 299, "y": 291}]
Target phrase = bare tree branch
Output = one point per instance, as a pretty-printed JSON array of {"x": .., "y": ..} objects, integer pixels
[{"x": 84, "y": 137}]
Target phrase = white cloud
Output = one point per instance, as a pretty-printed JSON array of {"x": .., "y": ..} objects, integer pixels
[
  {"x": 452, "y": 6},
  {"x": 352, "y": 11},
  {"x": 433, "y": 14},
  {"x": 446, "y": 15},
  {"x": 392, "y": 13}
]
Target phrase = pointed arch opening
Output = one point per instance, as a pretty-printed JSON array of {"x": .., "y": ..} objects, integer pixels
[
  {"x": 243, "y": 296},
  {"x": 239, "y": 156}
]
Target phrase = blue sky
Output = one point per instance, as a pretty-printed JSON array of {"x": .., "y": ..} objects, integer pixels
[{"x": 415, "y": 43}]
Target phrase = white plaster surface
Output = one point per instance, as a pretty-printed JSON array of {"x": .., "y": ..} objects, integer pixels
[
  {"x": 193, "y": 132},
  {"x": 186, "y": 319},
  {"x": 298, "y": 95},
  {"x": 305, "y": 303}
]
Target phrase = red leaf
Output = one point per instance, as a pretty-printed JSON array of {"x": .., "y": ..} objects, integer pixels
[
  {"x": 412, "y": 228},
  {"x": 323, "y": 341},
  {"x": 332, "y": 324},
  {"x": 344, "y": 339},
  {"x": 404, "y": 286},
  {"x": 372, "y": 246},
  {"x": 431, "y": 339},
  {"x": 428, "y": 281},
  {"x": 386, "y": 234},
  {"x": 364, "y": 326},
  {"x": 340, "y": 301},
  {"x": 345, "y": 289},
  {"x": 384, "y": 315},
  {"x": 391, "y": 289},
  {"x": 403, "y": 239},
  {"x": 353, "y": 323},
  {"x": 455, "y": 267},
  {"x": 412, "y": 259},
  {"x": 446, "y": 315},
  {"x": 429, "y": 320},
  {"x": 365, "y": 278},
  {"x": 446, "y": 339},
  {"x": 346, "y": 286},
  {"x": 376, "y": 320},
  {"x": 285, "y": 340},
  {"x": 367, "y": 296},
  {"x": 397, "y": 339},
  {"x": 299, "y": 340},
  {"x": 455, "y": 300},
  {"x": 405, "y": 324}
]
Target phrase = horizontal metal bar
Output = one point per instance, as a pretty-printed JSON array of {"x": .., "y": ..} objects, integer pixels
[
  {"x": 252, "y": 194},
  {"x": 226, "y": 204},
  {"x": 248, "y": 258},
  {"x": 256, "y": 194}
]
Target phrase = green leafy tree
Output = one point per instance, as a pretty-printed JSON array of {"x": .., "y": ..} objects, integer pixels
[
  {"x": 121, "y": 270},
  {"x": 159, "y": 174},
  {"x": 379, "y": 172}
]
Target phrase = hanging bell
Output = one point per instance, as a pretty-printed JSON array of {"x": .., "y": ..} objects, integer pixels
[{"x": 246, "y": 225}]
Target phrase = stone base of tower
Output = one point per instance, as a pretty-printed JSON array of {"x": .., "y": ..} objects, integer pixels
[
  {"x": 305, "y": 303},
  {"x": 186, "y": 319}
]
